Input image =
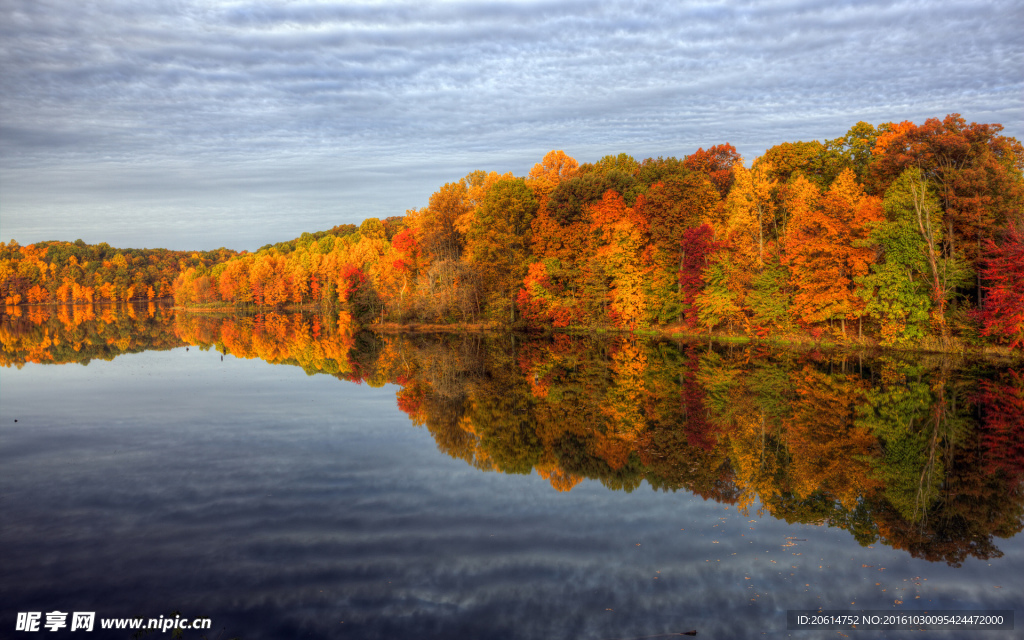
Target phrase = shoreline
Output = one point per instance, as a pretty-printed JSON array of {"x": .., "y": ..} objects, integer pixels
[{"x": 670, "y": 332}]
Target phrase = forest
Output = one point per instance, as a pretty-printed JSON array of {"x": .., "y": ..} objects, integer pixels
[
  {"x": 58, "y": 272},
  {"x": 900, "y": 235}
]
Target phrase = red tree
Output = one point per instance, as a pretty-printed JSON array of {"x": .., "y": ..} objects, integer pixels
[
  {"x": 697, "y": 246},
  {"x": 1002, "y": 313},
  {"x": 716, "y": 163}
]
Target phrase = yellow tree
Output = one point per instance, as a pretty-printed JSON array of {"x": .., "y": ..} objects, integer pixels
[
  {"x": 439, "y": 224},
  {"x": 750, "y": 208},
  {"x": 478, "y": 185},
  {"x": 555, "y": 168},
  {"x": 616, "y": 274}
]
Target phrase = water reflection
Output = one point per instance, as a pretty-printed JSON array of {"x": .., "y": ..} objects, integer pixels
[
  {"x": 81, "y": 333},
  {"x": 922, "y": 453}
]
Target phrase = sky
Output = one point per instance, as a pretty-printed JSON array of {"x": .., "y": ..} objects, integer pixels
[{"x": 192, "y": 124}]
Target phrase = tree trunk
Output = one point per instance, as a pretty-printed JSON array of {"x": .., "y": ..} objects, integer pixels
[
  {"x": 924, "y": 227},
  {"x": 760, "y": 238},
  {"x": 679, "y": 283}
]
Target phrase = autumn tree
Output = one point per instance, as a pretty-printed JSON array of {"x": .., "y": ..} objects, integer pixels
[
  {"x": 720, "y": 301},
  {"x": 750, "y": 209},
  {"x": 716, "y": 163},
  {"x": 614, "y": 275},
  {"x": 543, "y": 299},
  {"x": 976, "y": 173},
  {"x": 826, "y": 249},
  {"x": 852, "y": 151},
  {"x": 1003, "y": 309},
  {"x": 696, "y": 247},
  {"x": 897, "y": 291},
  {"x": 499, "y": 241},
  {"x": 670, "y": 209},
  {"x": 439, "y": 233},
  {"x": 569, "y": 200},
  {"x": 790, "y": 160},
  {"x": 546, "y": 175},
  {"x": 911, "y": 202}
]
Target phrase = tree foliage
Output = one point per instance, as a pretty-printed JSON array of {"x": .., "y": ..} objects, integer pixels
[{"x": 905, "y": 230}]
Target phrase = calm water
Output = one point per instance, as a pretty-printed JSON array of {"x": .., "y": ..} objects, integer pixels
[{"x": 467, "y": 488}]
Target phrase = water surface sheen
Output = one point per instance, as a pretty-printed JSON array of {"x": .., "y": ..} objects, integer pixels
[{"x": 447, "y": 487}]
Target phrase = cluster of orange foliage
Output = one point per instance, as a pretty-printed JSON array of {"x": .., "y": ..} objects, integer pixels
[{"x": 75, "y": 272}]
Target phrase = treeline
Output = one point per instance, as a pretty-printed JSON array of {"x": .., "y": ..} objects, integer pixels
[
  {"x": 75, "y": 272},
  {"x": 902, "y": 233}
]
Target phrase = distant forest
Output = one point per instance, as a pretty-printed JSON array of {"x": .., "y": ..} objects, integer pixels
[{"x": 902, "y": 235}]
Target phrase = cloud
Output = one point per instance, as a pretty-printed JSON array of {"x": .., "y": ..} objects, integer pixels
[{"x": 433, "y": 91}]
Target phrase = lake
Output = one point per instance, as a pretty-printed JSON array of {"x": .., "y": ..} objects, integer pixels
[{"x": 288, "y": 477}]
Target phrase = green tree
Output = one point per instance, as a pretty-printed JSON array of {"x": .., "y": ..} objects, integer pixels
[
  {"x": 499, "y": 241},
  {"x": 895, "y": 292}
]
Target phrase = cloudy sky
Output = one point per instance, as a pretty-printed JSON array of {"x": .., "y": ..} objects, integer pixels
[{"x": 194, "y": 124}]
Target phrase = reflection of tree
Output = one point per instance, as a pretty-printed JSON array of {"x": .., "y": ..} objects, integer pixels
[
  {"x": 501, "y": 418},
  {"x": 883, "y": 450},
  {"x": 66, "y": 334},
  {"x": 920, "y": 422},
  {"x": 317, "y": 344},
  {"x": 974, "y": 508},
  {"x": 1002, "y": 427},
  {"x": 829, "y": 453},
  {"x": 981, "y": 496},
  {"x": 918, "y": 455}
]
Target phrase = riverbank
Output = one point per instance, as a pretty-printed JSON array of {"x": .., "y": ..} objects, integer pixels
[{"x": 789, "y": 340}]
